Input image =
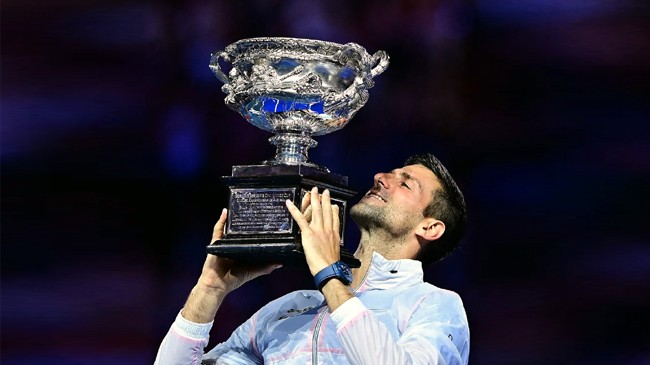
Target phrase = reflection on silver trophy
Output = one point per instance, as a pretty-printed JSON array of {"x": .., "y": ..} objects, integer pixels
[{"x": 296, "y": 89}]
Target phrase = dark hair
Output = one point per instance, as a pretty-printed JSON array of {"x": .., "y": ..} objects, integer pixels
[{"x": 447, "y": 204}]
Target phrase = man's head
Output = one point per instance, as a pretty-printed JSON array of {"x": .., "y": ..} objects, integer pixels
[
  {"x": 447, "y": 204},
  {"x": 418, "y": 201}
]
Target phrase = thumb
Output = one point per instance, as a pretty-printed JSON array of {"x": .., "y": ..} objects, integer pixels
[{"x": 262, "y": 269}]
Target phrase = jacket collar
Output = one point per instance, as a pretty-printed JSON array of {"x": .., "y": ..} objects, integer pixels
[{"x": 388, "y": 274}]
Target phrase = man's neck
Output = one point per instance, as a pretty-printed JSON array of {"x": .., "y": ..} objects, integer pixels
[
  {"x": 391, "y": 248},
  {"x": 363, "y": 254}
]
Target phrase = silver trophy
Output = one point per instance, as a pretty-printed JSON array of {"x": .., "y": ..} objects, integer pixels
[{"x": 296, "y": 89}]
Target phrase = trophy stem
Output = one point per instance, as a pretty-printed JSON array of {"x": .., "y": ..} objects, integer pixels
[{"x": 292, "y": 147}]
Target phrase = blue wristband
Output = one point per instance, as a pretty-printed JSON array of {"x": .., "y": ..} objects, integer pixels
[{"x": 338, "y": 270}]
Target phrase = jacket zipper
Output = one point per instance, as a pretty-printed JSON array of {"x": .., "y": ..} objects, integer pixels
[
  {"x": 321, "y": 317},
  {"x": 314, "y": 341}
]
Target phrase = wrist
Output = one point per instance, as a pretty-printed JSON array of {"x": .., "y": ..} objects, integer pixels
[
  {"x": 336, "y": 293},
  {"x": 202, "y": 304},
  {"x": 338, "y": 271},
  {"x": 209, "y": 287},
  {"x": 315, "y": 268}
]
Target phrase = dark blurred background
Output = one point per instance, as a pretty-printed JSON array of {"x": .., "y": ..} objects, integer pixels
[{"x": 115, "y": 134}]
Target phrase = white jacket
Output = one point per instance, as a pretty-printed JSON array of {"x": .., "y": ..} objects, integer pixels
[{"x": 396, "y": 318}]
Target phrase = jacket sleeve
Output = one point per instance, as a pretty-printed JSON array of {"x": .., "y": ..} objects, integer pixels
[
  {"x": 185, "y": 342},
  {"x": 435, "y": 333}
]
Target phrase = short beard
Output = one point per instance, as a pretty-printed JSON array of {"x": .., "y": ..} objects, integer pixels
[
  {"x": 371, "y": 218},
  {"x": 367, "y": 217}
]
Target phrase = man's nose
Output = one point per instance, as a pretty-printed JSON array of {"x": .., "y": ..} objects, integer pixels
[{"x": 382, "y": 179}]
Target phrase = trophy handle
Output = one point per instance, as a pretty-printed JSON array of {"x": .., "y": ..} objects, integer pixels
[
  {"x": 380, "y": 60},
  {"x": 216, "y": 69},
  {"x": 378, "y": 63}
]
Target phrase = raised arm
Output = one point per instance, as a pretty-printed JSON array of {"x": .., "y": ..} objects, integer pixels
[
  {"x": 188, "y": 336},
  {"x": 219, "y": 277},
  {"x": 319, "y": 230}
]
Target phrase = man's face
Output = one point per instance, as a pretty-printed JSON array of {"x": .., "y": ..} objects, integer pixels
[{"x": 397, "y": 200}]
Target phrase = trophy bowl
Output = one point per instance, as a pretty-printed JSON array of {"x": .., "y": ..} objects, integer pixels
[{"x": 296, "y": 88}]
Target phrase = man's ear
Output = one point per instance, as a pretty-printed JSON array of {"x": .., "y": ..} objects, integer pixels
[{"x": 430, "y": 229}]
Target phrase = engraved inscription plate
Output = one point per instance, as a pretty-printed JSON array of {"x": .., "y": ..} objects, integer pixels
[{"x": 260, "y": 210}]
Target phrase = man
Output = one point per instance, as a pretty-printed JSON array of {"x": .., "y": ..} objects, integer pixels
[{"x": 387, "y": 315}]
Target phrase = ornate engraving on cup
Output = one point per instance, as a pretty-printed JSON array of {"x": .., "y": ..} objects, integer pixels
[{"x": 296, "y": 88}]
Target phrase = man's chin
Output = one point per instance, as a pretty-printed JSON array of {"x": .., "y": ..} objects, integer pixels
[{"x": 365, "y": 215}]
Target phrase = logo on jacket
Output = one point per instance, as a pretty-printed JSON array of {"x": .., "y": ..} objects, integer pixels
[{"x": 294, "y": 312}]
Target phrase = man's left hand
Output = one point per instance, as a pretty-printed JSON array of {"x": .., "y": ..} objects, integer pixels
[{"x": 320, "y": 234}]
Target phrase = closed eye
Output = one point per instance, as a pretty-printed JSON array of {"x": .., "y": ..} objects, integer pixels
[{"x": 406, "y": 177}]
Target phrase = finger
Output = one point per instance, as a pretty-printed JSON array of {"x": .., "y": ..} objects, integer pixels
[
  {"x": 217, "y": 232},
  {"x": 307, "y": 214},
  {"x": 326, "y": 207},
  {"x": 304, "y": 204},
  {"x": 297, "y": 216},
  {"x": 336, "y": 220},
  {"x": 316, "y": 213}
]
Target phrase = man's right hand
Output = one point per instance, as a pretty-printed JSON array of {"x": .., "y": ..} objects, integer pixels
[
  {"x": 219, "y": 277},
  {"x": 225, "y": 275}
]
